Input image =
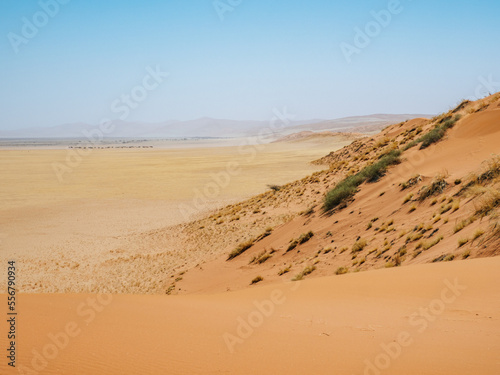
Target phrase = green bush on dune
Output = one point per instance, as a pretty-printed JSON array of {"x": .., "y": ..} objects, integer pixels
[
  {"x": 346, "y": 188},
  {"x": 436, "y": 134}
]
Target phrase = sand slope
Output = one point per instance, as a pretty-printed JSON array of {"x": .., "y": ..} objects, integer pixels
[
  {"x": 383, "y": 214},
  {"x": 329, "y": 325}
]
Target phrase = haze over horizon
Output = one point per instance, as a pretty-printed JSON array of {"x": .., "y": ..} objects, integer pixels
[{"x": 191, "y": 60}]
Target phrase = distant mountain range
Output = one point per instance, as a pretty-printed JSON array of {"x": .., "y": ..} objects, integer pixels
[{"x": 211, "y": 128}]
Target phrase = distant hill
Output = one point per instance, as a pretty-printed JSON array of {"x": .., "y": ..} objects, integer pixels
[
  {"x": 208, "y": 127},
  {"x": 360, "y": 124}
]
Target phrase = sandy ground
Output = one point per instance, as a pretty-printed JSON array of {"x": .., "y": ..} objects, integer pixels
[
  {"x": 110, "y": 224},
  {"x": 66, "y": 229},
  {"x": 397, "y": 228},
  {"x": 439, "y": 319}
]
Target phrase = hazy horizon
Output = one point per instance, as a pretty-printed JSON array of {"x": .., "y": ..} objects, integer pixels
[
  {"x": 68, "y": 62},
  {"x": 175, "y": 121}
]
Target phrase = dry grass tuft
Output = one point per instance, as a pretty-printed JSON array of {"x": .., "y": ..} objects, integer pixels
[
  {"x": 256, "y": 280},
  {"x": 461, "y": 225},
  {"x": 308, "y": 270},
  {"x": 411, "y": 182},
  {"x": 359, "y": 245},
  {"x": 437, "y": 186},
  {"x": 240, "y": 249},
  {"x": 478, "y": 233},
  {"x": 303, "y": 238},
  {"x": 427, "y": 245},
  {"x": 341, "y": 271},
  {"x": 488, "y": 203},
  {"x": 408, "y": 198},
  {"x": 261, "y": 258},
  {"x": 284, "y": 270}
]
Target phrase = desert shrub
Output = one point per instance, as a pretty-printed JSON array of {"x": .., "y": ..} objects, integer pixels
[
  {"x": 488, "y": 203},
  {"x": 433, "y": 243},
  {"x": 462, "y": 242},
  {"x": 293, "y": 245},
  {"x": 444, "y": 258},
  {"x": 445, "y": 208},
  {"x": 381, "y": 142},
  {"x": 342, "y": 191},
  {"x": 274, "y": 187},
  {"x": 428, "y": 245},
  {"x": 495, "y": 230},
  {"x": 284, "y": 270},
  {"x": 341, "y": 270},
  {"x": 448, "y": 124},
  {"x": 304, "y": 237},
  {"x": 308, "y": 270},
  {"x": 478, "y": 233},
  {"x": 240, "y": 249},
  {"x": 436, "y": 187},
  {"x": 256, "y": 280},
  {"x": 348, "y": 187},
  {"x": 431, "y": 137},
  {"x": 492, "y": 171},
  {"x": 308, "y": 212},
  {"x": 436, "y": 134},
  {"x": 461, "y": 106},
  {"x": 408, "y": 198},
  {"x": 261, "y": 258},
  {"x": 461, "y": 225},
  {"x": 411, "y": 144},
  {"x": 377, "y": 170},
  {"x": 266, "y": 233},
  {"x": 411, "y": 182},
  {"x": 359, "y": 245}
]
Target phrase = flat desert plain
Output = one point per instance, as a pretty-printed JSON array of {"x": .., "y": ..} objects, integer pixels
[{"x": 67, "y": 231}]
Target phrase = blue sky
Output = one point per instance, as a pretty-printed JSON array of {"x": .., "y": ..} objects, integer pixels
[{"x": 262, "y": 55}]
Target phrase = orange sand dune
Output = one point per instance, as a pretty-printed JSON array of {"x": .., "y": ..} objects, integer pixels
[
  {"x": 474, "y": 140},
  {"x": 426, "y": 319},
  {"x": 464, "y": 149}
]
